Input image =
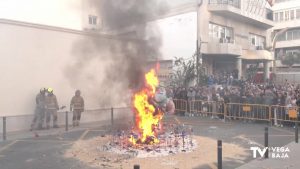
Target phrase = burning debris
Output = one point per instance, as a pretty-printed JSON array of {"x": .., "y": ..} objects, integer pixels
[
  {"x": 115, "y": 151},
  {"x": 149, "y": 137},
  {"x": 175, "y": 139}
]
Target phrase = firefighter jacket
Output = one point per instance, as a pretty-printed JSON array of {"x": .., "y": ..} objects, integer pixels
[
  {"x": 77, "y": 103},
  {"x": 51, "y": 102},
  {"x": 40, "y": 100}
]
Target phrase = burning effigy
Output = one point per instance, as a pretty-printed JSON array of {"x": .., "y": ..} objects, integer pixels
[
  {"x": 149, "y": 135},
  {"x": 148, "y": 114},
  {"x": 169, "y": 144}
]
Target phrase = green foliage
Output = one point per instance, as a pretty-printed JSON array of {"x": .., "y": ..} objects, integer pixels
[
  {"x": 184, "y": 72},
  {"x": 290, "y": 59}
]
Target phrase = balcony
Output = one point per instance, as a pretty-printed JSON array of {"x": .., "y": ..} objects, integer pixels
[
  {"x": 223, "y": 47},
  {"x": 233, "y": 3},
  {"x": 233, "y": 9},
  {"x": 257, "y": 55},
  {"x": 288, "y": 44}
]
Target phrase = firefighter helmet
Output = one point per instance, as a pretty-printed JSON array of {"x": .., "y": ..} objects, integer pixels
[
  {"x": 50, "y": 90},
  {"x": 42, "y": 90},
  {"x": 77, "y": 92}
]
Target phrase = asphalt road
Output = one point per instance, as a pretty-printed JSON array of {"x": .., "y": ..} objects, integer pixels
[{"x": 47, "y": 151}]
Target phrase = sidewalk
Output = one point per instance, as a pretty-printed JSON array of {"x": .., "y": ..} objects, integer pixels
[
  {"x": 18, "y": 126},
  {"x": 53, "y": 131},
  {"x": 292, "y": 162}
]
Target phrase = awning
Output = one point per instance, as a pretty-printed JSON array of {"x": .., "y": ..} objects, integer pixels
[{"x": 257, "y": 55}]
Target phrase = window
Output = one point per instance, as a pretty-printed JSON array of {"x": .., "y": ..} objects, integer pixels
[
  {"x": 289, "y": 35},
  {"x": 278, "y": 1},
  {"x": 222, "y": 33},
  {"x": 292, "y": 14},
  {"x": 275, "y": 17},
  {"x": 298, "y": 13},
  {"x": 281, "y": 16},
  {"x": 287, "y": 15},
  {"x": 235, "y": 3},
  {"x": 257, "y": 41},
  {"x": 282, "y": 37},
  {"x": 92, "y": 20},
  {"x": 296, "y": 34},
  {"x": 229, "y": 33},
  {"x": 215, "y": 31},
  {"x": 269, "y": 13},
  {"x": 253, "y": 40},
  {"x": 291, "y": 51}
]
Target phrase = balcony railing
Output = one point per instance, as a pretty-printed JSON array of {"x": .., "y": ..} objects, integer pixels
[
  {"x": 234, "y": 3},
  {"x": 253, "y": 47},
  {"x": 232, "y": 9},
  {"x": 226, "y": 40},
  {"x": 223, "y": 46}
]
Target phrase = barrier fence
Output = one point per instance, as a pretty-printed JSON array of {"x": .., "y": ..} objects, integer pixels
[
  {"x": 248, "y": 111},
  {"x": 200, "y": 107},
  {"x": 283, "y": 114},
  {"x": 99, "y": 117},
  {"x": 273, "y": 114},
  {"x": 270, "y": 113},
  {"x": 180, "y": 105}
]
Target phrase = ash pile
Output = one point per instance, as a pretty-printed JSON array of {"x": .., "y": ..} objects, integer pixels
[{"x": 175, "y": 139}]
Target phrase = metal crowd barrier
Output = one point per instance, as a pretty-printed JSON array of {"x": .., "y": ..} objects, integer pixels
[
  {"x": 274, "y": 114},
  {"x": 104, "y": 116},
  {"x": 282, "y": 114},
  {"x": 258, "y": 112},
  {"x": 200, "y": 107},
  {"x": 248, "y": 111},
  {"x": 180, "y": 105}
]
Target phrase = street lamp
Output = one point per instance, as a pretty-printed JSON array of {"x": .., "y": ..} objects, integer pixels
[{"x": 198, "y": 45}]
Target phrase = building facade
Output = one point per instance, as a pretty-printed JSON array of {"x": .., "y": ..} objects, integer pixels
[
  {"x": 232, "y": 35},
  {"x": 286, "y": 14},
  {"x": 76, "y": 15}
]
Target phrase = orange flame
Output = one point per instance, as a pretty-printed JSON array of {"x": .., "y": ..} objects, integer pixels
[{"x": 147, "y": 116}]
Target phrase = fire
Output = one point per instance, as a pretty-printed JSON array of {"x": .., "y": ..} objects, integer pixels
[{"x": 147, "y": 115}]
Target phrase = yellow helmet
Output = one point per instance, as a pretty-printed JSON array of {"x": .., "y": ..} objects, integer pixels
[{"x": 50, "y": 90}]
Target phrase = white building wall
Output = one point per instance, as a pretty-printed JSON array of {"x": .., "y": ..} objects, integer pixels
[
  {"x": 60, "y": 13},
  {"x": 178, "y": 35},
  {"x": 33, "y": 57}
]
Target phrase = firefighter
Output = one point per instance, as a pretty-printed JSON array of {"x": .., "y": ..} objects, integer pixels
[
  {"x": 77, "y": 106},
  {"x": 39, "y": 111},
  {"x": 51, "y": 108}
]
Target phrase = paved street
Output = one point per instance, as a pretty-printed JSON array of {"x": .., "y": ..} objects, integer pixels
[{"x": 47, "y": 150}]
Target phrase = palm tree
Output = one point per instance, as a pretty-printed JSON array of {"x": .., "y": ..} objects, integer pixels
[{"x": 184, "y": 72}]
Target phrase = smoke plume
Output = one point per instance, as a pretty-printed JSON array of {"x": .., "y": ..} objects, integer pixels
[{"x": 108, "y": 67}]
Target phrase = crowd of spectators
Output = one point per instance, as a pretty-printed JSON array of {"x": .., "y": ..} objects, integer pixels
[{"x": 229, "y": 90}]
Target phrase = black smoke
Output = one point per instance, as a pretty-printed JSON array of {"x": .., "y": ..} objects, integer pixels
[{"x": 122, "y": 55}]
